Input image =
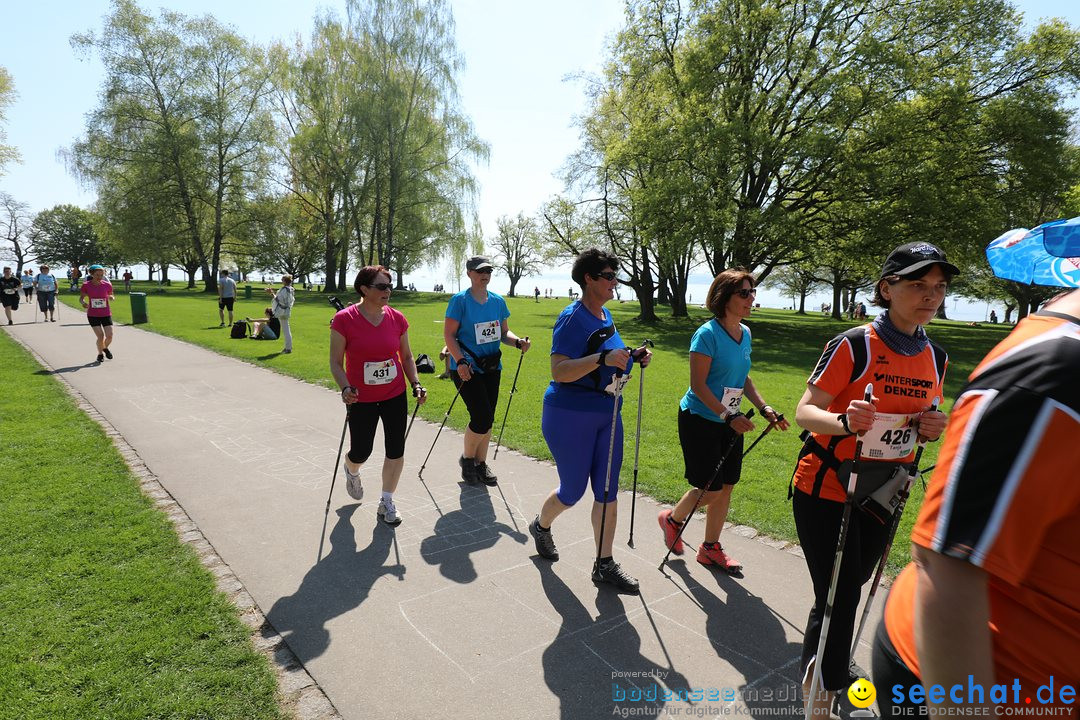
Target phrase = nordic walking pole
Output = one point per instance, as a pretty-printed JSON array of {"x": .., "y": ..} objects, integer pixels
[
  {"x": 716, "y": 473},
  {"x": 841, "y": 541},
  {"x": 768, "y": 428},
  {"x": 513, "y": 389},
  {"x": 420, "y": 473},
  {"x": 913, "y": 470},
  {"x": 637, "y": 441},
  {"x": 333, "y": 480},
  {"x": 610, "y": 455}
]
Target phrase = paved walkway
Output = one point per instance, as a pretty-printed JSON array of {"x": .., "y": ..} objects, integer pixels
[{"x": 452, "y": 614}]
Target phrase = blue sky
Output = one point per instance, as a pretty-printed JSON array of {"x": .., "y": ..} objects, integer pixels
[{"x": 518, "y": 55}]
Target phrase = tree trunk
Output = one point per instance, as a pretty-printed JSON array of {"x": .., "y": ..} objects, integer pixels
[
  {"x": 802, "y": 302},
  {"x": 191, "y": 278},
  {"x": 513, "y": 285},
  {"x": 1008, "y": 313},
  {"x": 837, "y": 296}
]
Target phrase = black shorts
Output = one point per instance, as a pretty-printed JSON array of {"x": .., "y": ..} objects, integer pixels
[
  {"x": 704, "y": 444},
  {"x": 226, "y": 302},
  {"x": 98, "y": 321},
  {"x": 9, "y": 301}
]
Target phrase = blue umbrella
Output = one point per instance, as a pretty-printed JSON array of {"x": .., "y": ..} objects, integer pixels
[
  {"x": 1021, "y": 255},
  {"x": 1063, "y": 238}
]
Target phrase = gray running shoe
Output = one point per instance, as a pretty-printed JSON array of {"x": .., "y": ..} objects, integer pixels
[
  {"x": 388, "y": 512},
  {"x": 353, "y": 485}
]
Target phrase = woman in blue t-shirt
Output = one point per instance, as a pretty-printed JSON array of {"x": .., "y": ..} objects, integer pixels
[
  {"x": 586, "y": 352},
  {"x": 474, "y": 329},
  {"x": 45, "y": 282},
  {"x": 710, "y": 423}
]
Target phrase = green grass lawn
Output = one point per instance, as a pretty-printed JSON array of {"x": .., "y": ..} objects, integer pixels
[
  {"x": 104, "y": 613},
  {"x": 786, "y": 348}
]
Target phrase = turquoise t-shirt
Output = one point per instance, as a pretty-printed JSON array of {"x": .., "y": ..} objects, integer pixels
[
  {"x": 729, "y": 368},
  {"x": 480, "y": 331},
  {"x": 578, "y": 333},
  {"x": 46, "y": 283}
]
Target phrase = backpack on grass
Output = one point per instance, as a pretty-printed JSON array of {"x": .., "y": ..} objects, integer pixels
[{"x": 239, "y": 330}]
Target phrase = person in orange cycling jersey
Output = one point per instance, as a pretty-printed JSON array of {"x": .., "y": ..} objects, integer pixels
[
  {"x": 993, "y": 594},
  {"x": 906, "y": 370}
]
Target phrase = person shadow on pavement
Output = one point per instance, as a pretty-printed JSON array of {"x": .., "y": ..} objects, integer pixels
[
  {"x": 338, "y": 583},
  {"x": 581, "y": 662},
  {"x": 459, "y": 533},
  {"x": 749, "y": 636}
]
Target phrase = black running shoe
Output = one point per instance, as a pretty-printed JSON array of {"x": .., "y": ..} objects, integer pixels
[
  {"x": 611, "y": 572},
  {"x": 100, "y": 357},
  {"x": 484, "y": 474},
  {"x": 468, "y": 470},
  {"x": 108, "y": 354},
  {"x": 545, "y": 543}
]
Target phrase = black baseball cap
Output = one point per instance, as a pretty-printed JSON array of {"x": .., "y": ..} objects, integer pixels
[
  {"x": 912, "y": 257},
  {"x": 479, "y": 262}
]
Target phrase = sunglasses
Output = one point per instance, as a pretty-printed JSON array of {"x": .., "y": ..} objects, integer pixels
[
  {"x": 746, "y": 292},
  {"x": 382, "y": 286},
  {"x": 607, "y": 275},
  {"x": 483, "y": 271}
]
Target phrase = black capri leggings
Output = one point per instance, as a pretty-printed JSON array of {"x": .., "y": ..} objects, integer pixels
[
  {"x": 364, "y": 416},
  {"x": 818, "y": 524},
  {"x": 481, "y": 395}
]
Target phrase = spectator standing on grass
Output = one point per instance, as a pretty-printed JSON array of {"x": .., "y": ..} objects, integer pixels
[
  {"x": 226, "y": 292},
  {"x": 128, "y": 277},
  {"x": 284, "y": 299},
  {"x": 96, "y": 296},
  {"x": 45, "y": 282},
  {"x": 9, "y": 293}
]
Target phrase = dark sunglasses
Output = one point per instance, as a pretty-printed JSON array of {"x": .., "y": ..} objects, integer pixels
[
  {"x": 607, "y": 275},
  {"x": 483, "y": 271},
  {"x": 382, "y": 286},
  {"x": 746, "y": 292}
]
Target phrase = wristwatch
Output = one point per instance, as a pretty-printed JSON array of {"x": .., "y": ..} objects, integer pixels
[
  {"x": 842, "y": 417},
  {"x": 517, "y": 343},
  {"x": 600, "y": 360}
]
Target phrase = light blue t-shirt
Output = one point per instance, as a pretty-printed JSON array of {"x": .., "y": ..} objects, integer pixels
[
  {"x": 45, "y": 283},
  {"x": 480, "y": 331},
  {"x": 578, "y": 333},
  {"x": 728, "y": 370},
  {"x": 228, "y": 287}
]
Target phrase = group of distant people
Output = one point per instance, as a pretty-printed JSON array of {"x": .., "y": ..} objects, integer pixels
[
  {"x": 275, "y": 320},
  {"x": 44, "y": 282}
]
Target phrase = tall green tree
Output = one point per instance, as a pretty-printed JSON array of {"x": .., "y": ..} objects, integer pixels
[
  {"x": 183, "y": 102},
  {"x": 8, "y": 153},
  {"x": 65, "y": 236},
  {"x": 517, "y": 248}
]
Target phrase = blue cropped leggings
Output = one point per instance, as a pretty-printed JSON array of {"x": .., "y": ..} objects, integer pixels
[{"x": 579, "y": 443}]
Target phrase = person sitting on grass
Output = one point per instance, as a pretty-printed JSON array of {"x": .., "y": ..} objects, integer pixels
[{"x": 268, "y": 328}]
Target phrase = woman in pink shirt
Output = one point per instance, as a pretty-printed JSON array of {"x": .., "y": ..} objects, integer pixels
[
  {"x": 370, "y": 359},
  {"x": 96, "y": 295}
]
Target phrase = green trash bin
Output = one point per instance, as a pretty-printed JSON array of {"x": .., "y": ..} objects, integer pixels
[
  {"x": 247, "y": 292},
  {"x": 138, "y": 308}
]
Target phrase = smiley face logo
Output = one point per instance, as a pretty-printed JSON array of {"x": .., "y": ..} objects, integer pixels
[{"x": 861, "y": 693}]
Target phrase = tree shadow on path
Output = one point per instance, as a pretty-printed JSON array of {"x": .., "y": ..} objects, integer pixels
[{"x": 340, "y": 582}]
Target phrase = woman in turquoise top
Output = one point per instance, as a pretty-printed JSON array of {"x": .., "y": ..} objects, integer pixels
[
  {"x": 710, "y": 421},
  {"x": 475, "y": 329}
]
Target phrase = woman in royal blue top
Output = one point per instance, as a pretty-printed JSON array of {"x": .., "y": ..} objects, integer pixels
[
  {"x": 475, "y": 328},
  {"x": 711, "y": 425},
  {"x": 586, "y": 353}
]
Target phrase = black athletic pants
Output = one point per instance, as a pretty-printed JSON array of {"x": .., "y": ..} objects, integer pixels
[
  {"x": 889, "y": 670},
  {"x": 818, "y": 524},
  {"x": 481, "y": 395},
  {"x": 363, "y": 419}
]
